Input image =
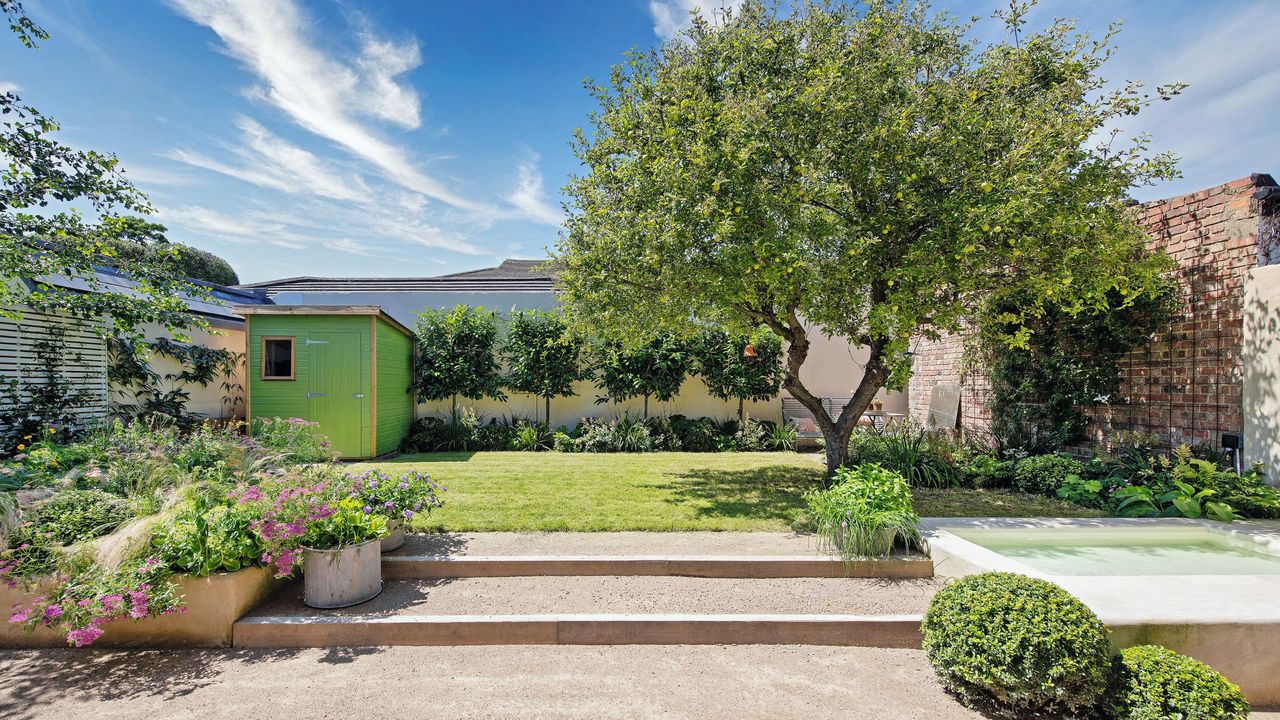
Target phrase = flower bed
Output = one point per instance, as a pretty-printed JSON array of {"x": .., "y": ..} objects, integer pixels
[{"x": 141, "y": 523}]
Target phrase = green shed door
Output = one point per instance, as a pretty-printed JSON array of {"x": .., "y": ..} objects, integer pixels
[{"x": 339, "y": 393}]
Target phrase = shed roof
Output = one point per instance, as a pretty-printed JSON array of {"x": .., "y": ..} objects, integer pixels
[{"x": 323, "y": 310}]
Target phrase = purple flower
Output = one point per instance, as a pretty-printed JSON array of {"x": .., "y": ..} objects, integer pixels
[
  {"x": 84, "y": 636},
  {"x": 367, "y": 509},
  {"x": 53, "y": 611}
]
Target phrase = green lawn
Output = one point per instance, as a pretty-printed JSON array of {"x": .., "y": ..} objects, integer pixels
[
  {"x": 658, "y": 491},
  {"x": 631, "y": 491}
]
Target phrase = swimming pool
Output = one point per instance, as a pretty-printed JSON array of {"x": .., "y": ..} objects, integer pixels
[{"x": 1097, "y": 551}]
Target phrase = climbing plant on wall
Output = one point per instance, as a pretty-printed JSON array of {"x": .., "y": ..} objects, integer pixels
[
  {"x": 1043, "y": 388},
  {"x": 139, "y": 389}
]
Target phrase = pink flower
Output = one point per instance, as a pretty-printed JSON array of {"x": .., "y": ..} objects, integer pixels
[
  {"x": 53, "y": 611},
  {"x": 84, "y": 636},
  {"x": 110, "y": 602},
  {"x": 18, "y": 617}
]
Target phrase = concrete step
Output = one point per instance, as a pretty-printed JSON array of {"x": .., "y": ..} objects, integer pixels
[
  {"x": 890, "y": 631},
  {"x": 604, "y": 610},
  {"x": 405, "y": 567}
]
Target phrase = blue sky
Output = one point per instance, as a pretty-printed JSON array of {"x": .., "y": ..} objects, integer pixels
[{"x": 326, "y": 137}]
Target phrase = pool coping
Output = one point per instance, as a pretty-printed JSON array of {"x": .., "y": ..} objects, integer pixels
[{"x": 1231, "y": 622}]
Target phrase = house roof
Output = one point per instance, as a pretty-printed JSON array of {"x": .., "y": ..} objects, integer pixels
[
  {"x": 510, "y": 276},
  {"x": 217, "y": 305}
]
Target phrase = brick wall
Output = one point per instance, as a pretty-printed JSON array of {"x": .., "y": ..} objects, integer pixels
[{"x": 1185, "y": 385}]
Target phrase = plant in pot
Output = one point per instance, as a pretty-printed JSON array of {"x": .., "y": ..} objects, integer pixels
[
  {"x": 312, "y": 518},
  {"x": 397, "y": 499},
  {"x": 865, "y": 512}
]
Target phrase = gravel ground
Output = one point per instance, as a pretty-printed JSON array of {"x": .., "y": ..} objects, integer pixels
[
  {"x": 610, "y": 594},
  {"x": 708, "y": 683},
  {"x": 611, "y": 543}
]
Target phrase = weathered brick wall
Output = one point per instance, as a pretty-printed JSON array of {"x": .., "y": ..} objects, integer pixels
[{"x": 1184, "y": 386}]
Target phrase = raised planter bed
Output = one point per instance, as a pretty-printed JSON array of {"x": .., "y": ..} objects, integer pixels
[{"x": 214, "y": 603}]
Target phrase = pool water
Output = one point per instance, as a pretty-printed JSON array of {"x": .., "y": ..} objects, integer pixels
[{"x": 1129, "y": 551}]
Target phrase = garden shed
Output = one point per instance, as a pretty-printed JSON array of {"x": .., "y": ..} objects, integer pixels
[{"x": 346, "y": 367}]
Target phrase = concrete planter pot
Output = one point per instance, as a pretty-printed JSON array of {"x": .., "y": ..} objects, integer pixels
[
  {"x": 395, "y": 535},
  {"x": 881, "y": 544},
  {"x": 213, "y": 603},
  {"x": 342, "y": 576}
]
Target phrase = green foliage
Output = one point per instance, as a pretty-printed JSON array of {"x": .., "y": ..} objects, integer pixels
[
  {"x": 348, "y": 525},
  {"x": 698, "y": 435},
  {"x": 207, "y": 536},
  {"x": 1138, "y": 482},
  {"x": 732, "y": 372},
  {"x": 45, "y": 397},
  {"x": 1066, "y": 363},
  {"x": 1016, "y": 647},
  {"x": 1149, "y": 682},
  {"x": 621, "y": 435},
  {"x": 543, "y": 357},
  {"x": 920, "y": 455},
  {"x": 532, "y": 436},
  {"x": 456, "y": 355},
  {"x": 396, "y": 497},
  {"x": 293, "y": 440},
  {"x": 657, "y": 368},
  {"x": 865, "y": 512},
  {"x": 188, "y": 262},
  {"x": 60, "y": 214},
  {"x": 984, "y": 470},
  {"x": 783, "y": 437},
  {"x": 1044, "y": 474},
  {"x": 77, "y": 515},
  {"x": 462, "y": 431},
  {"x": 141, "y": 391},
  {"x": 874, "y": 170}
]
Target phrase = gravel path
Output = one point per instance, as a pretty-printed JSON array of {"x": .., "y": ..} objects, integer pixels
[
  {"x": 611, "y": 543},
  {"x": 610, "y": 594},
  {"x": 596, "y": 683}
]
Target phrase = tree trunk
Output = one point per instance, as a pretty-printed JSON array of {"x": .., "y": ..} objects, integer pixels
[
  {"x": 548, "y": 399},
  {"x": 741, "y": 415},
  {"x": 646, "y": 407},
  {"x": 454, "y": 412},
  {"x": 835, "y": 431}
]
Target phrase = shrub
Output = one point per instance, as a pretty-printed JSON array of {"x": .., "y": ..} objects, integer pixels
[
  {"x": 695, "y": 435},
  {"x": 784, "y": 437},
  {"x": 753, "y": 435},
  {"x": 921, "y": 456},
  {"x": 79, "y": 515},
  {"x": 1149, "y": 682},
  {"x": 1016, "y": 646},
  {"x": 206, "y": 536},
  {"x": 865, "y": 512},
  {"x": 663, "y": 433},
  {"x": 531, "y": 436},
  {"x": 298, "y": 441},
  {"x": 1044, "y": 474},
  {"x": 620, "y": 435},
  {"x": 984, "y": 470}
]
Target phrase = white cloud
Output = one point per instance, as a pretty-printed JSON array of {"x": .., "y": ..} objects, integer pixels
[
  {"x": 672, "y": 16},
  {"x": 271, "y": 162},
  {"x": 324, "y": 94},
  {"x": 1221, "y": 125},
  {"x": 8, "y": 87},
  {"x": 529, "y": 198},
  {"x": 347, "y": 245}
]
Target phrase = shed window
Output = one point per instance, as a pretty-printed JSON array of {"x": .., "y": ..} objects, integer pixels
[{"x": 277, "y": 358}]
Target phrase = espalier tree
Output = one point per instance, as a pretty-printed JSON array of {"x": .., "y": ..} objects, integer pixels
[
  {"x": 456, "y": 355},
  {"x": 868, "y": 173},
  {"x": 543, "y": 357},
  {"x": 740, "y": 366},
  {"x": 656, "y": 368},
  {"x": 60, "y": 214}
]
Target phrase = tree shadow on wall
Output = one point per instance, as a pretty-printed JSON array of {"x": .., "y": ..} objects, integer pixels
[{"x": 774, "y": 492}]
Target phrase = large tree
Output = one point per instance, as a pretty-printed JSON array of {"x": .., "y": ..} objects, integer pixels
[
  {"x": 60, "y": 214},
  {"x": 543, "y": 357},
  {"x": 869, "y": 173}
]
